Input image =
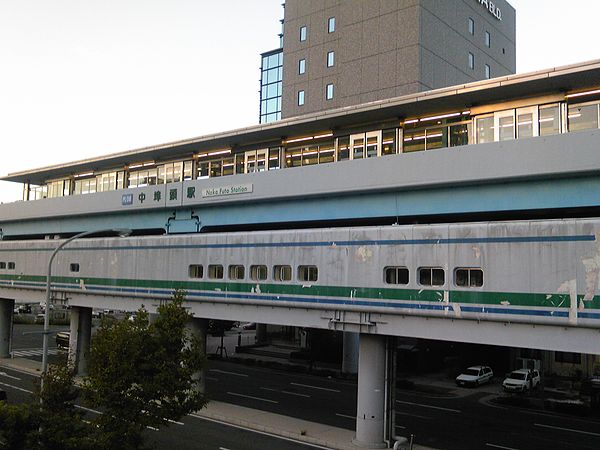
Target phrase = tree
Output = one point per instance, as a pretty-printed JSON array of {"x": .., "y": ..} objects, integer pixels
[{"x": 141, "y": 374}]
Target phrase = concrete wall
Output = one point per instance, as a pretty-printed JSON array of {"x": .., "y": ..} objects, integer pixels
[{"x": 389, "y": 48}]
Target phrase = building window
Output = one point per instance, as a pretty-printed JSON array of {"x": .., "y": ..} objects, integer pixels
[
  {"x": 329, "y": 92},
  {"x": 215, "y": 271},
  {"x": 488, "y": 73},
  {"x": 11, "y": 266},
  {"x": 271, "y": 87},
  {"x": 468, "y": 277},
  {"x": 395, "y": 275},
  {"x": 303, "y": 33},
  {"x": 330, "y": 59},
  {"x": 567, "y": 357},
  {"x": 471, "y": 61},
  {"x": 583, "y": 117},
  {"x": 258, "y": 272},
  {"x": 2, "y": 265},
  {"x": 471, "y": 26},
  {"x": 236, "y": 272},
  {"x": 488, "y": 39},
  {"x": 308, "y": 273},
  {"x": 196, "y": 271},
  {"x": 431, "y": 276},
  {"x": 331, "y": 25},
  {"x": 300, "y": 98},
  {"x": 74, "y": 267},
  {"x": 282, "y": 273},
  {"x": 301, "y": 66}
]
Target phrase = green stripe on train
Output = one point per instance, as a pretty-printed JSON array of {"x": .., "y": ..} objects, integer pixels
[{"x": 422, "y": 295}]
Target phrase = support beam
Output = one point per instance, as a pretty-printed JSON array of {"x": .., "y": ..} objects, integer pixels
[
  {"x": 197, "y": 327},
  {"x": 6, "y": 316},
  {"x": 79, "y": 342},
  {"x": 370, "y": 410},
  {"x": 350, "y": 352},
  {"x": 261, "y": 333}
]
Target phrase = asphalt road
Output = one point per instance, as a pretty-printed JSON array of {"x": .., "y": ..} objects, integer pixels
[{"x": 460, "y": 418}]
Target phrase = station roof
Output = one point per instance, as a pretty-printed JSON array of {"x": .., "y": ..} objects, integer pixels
[{"x": 572, "y": 78}]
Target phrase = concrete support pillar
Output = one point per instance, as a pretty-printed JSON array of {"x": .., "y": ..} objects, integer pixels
[
  {"x": 152, "y": 317},
  {"x": 197, "y": 327},
  {"x": 350, "y": 353},
  {"x": 6, "y": 315},
  {"x": 81, "y": 336},
  {"x": 261, "y": 333},
  {"x": 370, "y": 411}
]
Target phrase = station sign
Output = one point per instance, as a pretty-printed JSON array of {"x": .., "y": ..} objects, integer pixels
[
  {"x": 491, "y": 7},
  {"x": 221, "y": 191}
]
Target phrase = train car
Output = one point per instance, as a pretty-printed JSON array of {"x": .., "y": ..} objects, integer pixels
[{"x": 529, "y": 271}]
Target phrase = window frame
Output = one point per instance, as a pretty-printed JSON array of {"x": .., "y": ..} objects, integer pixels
[
  {"x": 488, "y": 39},
  {"x": 74, "y": 267},
  {"x": 471, "y": 61},
  {"x": 236, "y": 272},
  {"x": 301, "y": 66},
  {"x": 331, "y": 25},
  {"x": 194, "y": 270},
  {"x": 255, "y": 272},
  {"x": 279, "y": 269},
  {"x": 430, "y": 269},
  {"x": 329, "y": 91},
  {"x": 487, "y": 71},
  {"x": 469, "y": 284},
  {"x": 301, "y": 97},
  {"x": 303, "y": 33},
  {"x": 471, "y": 26},
  {"x": 305, "y": 273},
  {"x": 396, "y": 270},
  {"x": 214, "y": 270},
  {"x": 330, "y": 58}
]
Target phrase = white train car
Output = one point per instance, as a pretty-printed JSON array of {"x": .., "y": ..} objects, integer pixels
[{"x": 529, "y": 271}]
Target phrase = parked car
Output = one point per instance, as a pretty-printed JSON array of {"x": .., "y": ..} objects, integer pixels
[
  {"x": 62, "y": 339},
  {"x": 248, "y": 326},
  {"x": 521, "y": 380},
  {"x": 474, "y": 376}
]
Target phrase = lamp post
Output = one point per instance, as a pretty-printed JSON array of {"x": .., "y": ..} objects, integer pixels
[{"x": 120, "y": 232}]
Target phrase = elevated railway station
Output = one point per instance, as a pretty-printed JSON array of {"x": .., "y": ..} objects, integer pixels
[{"x": 468, "y": 214}]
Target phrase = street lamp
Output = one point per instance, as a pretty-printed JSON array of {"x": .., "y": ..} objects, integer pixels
[{"x": 119, "y": 231}]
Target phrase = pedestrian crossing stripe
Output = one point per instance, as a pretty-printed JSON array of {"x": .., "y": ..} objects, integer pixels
[{"x": 33, "y": 352}]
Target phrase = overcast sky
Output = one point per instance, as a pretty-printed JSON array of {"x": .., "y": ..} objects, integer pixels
[{"x": 82, "y": 78}]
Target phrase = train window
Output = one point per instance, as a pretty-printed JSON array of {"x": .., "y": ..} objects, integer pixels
[
  {"x": 215, "y": 271},
  {"x": 196, "y": 271},
  {"x": 11, "y": 266},
  {"x": 236, "y": 272},
  {"x": 2, "y": 265},
  {"x": 308, "y": 273},
  {"x": 74, "y": 267},
  {"x": 464, "y": 277},
  {"x": 431, "y": 276},
  {"x": 282, "y": 273},
  {"x": 258, "y": 272},
  {"x": 395, "y": 275}
]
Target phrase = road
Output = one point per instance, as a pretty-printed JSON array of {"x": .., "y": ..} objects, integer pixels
[{"x": 458, "y": 418}]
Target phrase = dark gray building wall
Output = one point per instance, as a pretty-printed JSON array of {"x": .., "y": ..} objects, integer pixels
[{"x": 389, "y": 48}]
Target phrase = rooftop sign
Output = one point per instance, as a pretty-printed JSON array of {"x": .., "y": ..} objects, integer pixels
[{"x": 492, "y": 8}]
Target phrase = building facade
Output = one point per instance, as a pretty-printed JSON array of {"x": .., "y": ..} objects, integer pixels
[{"x": 339, "y": 53}]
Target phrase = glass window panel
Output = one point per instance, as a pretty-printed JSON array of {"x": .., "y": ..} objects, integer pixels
[
  {"x": 293, "y": 157},
  {"x": 258, "y": 272},
  {"x": 436, "y": 138},
  {"x": 330, "y": 59},
  {"x": 485, "y": 129},
  {"x": 471, "y": 26},
  {"x": 524, "y": 125},
  {"x": 414, "y": 141},
  {"x": 310, "y": 155},
  {"x": 228, "y": 166},
  {"x": 372, "y": 145},
  {"x": 272, "y": 117},
  {"x": 301, "y": 66},
  {"x": 302, "y": 33},
  {"x": 272, "y": 90},
  {"x": 329, "y": 92},
  {"x": 459, "y": 135},
  {"x": 307, "y": 273},
  {"x": 437, "y": 277},
  {"x": 471, "y": 61},
  {"x": 549, "y": 120},
  {"x": 431, "y": 276},
  {"x": 488, "y": 71},
  {"x": 271, "y": 105},
  {"x": 263, "y": 92},
  {"x": 215, "y": 168},
  {"x": 188, "y": 170},
  {"x": 326, "y": 152},
  {"x": 488, "y": 39},
  {"x": 388, "y": 143},
  {"x": 215, "y": 271},
  {"x": 331, "y": 25},
  {"x": 583, "y": 117},
  {"x": 282, "y": 273},
  {"x": 236, "y": 272},
  {"x": 272, "y": 75},
  {"x": 203, "y": 168},
  {"x": 358, "y": 148},
  {"x": 461, "y": 277},
  {"x": 300, "y": 98},
  {"x": 343, "y": 148},
  {"x": 475, "y": 277},
  {"x": 274, "y": 158},
  {"x": 265, "y": 62},
  {"x": 395, "y": 275},
  {"x": 506, "y": 128},
  {"x": 196, "y": 271},
  {"x": 273, "y": 60}
]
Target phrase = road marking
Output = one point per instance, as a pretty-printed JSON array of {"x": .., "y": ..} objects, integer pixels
[
  {"x": 16, "y": 387},
  {"x": 400, "y": 413},
  {"x": 566, "y": 429},
  {"x": 88, "y": 409},
  {"x": 223, "y": 448},
  {"x": 285, "y": 392},
  {"x": 32, "y": 352},
  {"x": 429, "y": 406},
  {"x": 229, "y": 373},
  {"x": 499, "y": 446},
  {"x": 4, "y": 374},
  {"x": 345, "y": 416},
  {"x": 314, "y": 387},
  {"x": 264, "y": 433},
  {"x": 254, "y": 398},
  {"x": 211, "y": 378},
  {"x": 174, "y": 421}
]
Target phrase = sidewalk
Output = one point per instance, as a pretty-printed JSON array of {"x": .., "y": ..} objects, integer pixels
[{"x": 276, "y": 424}]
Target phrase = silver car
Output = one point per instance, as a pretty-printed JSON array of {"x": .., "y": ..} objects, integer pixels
[{"x": 474, "y": 376}]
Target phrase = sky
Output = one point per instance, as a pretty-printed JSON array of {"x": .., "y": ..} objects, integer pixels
[{"x": 84, "y": 78}]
